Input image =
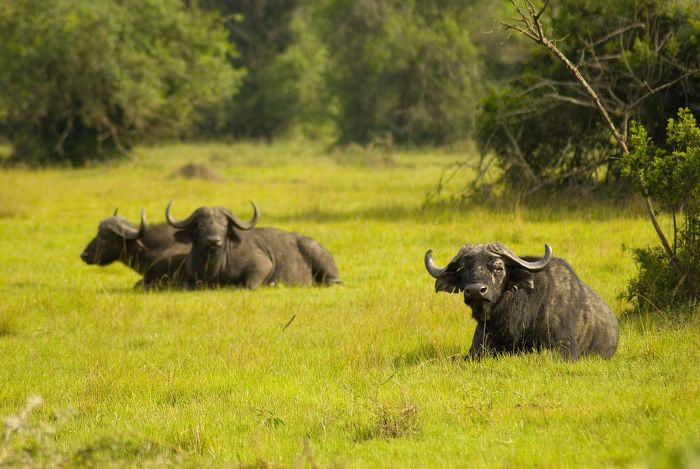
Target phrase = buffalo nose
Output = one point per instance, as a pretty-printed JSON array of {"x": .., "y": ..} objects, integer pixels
[
  {"x": 476, "y": 291},
  {"x": 84, "y": 255},
  {"x": 215, "y": 240}
]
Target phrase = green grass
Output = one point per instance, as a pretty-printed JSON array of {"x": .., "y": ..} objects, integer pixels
[{"x": 363, "y": 374}]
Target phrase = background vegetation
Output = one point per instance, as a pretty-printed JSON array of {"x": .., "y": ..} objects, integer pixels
[
  {"x": 672, "y": 179},
  {"x": 639, "y": 56},
  {"x": 362, "y": 376},
  {"x": 84, "y": 80},
  {"x": 79, "y": 80}
]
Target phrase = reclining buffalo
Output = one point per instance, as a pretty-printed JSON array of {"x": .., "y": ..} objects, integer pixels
[
  {"x": 152, "y": 251},
  {"x": 526, "y": 304},
  {"x": 229, "y": 251}
]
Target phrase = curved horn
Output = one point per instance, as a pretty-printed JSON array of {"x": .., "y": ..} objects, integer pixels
[
  {"x": 532, "y": 266},
  {"x": 433, "y": 269},
  {"x": 243, "y": 225},
  {"x": 115, "y": 211},
  {"x": 179, "y": 224},
  {"x": 131, "y": 233}
]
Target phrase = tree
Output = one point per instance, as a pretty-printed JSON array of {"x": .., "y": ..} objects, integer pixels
[
  {"x": 640, "y": 55},
  {"x": 281, "y": 57},
  {"x": 671, "y": 177},
  {"x": 85, "y": 80},
  {"x": 404, "y": 68}
]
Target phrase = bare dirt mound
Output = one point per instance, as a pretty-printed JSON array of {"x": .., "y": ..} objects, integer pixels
[{"x": 196, "y": 171}]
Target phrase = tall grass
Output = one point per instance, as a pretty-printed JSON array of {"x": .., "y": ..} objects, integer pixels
[{"x": 359, "y": 375}]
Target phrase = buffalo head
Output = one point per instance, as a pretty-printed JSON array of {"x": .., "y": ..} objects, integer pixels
[
  {"x": 484, "y": 271},
  {"x": 110, "y": 243},
  {"x": 210, "y": 227}
]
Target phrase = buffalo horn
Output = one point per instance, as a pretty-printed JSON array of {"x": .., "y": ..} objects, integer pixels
[
  {"x": 433, "y": 269},
  {"x": 179, "y": 224},
  {"x": 534, "y": 266},
  {"x": 133, "y": 233},
  {"x": 243, "y": 225}
]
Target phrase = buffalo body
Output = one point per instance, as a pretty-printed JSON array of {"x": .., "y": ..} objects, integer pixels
[
  {"x": 526, "y": 304},
  {"x": 228, "y": 251},
  {"x": 152, "y": 251}
]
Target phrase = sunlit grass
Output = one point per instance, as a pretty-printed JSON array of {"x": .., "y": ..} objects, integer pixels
[{"x": 364, "y": 375}]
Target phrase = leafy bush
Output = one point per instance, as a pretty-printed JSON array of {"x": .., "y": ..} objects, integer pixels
[
  {"x": 84, "y": 80},
  {"x": 670, "y": 176}
]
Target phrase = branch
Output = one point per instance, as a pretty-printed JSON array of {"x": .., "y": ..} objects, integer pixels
[
  {"x": 568, "y": 99},
  {"x": 659, "y": 231},
  {"x": 536, "y": 33},
  {"x": 531, "y": 174},
  {"x": 659, "y": 88},
  {"x": 563, "y": 176},
  {"x": 619, "y": 31}
]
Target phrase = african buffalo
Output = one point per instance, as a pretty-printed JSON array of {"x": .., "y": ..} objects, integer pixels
[
  {"x": 228, "y": 251},
  {"x": 151, "y": 251},
  {"x": 525, "y": 304}
]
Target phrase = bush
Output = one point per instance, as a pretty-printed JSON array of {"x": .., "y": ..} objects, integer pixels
[
  {"x": 670, "y": 177},
  {"x": 85, "y": 80}
]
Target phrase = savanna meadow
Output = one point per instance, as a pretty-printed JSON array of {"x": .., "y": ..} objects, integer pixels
[
  {"x": 364, "y": 374},
  {"x": 363, "y": 234}
]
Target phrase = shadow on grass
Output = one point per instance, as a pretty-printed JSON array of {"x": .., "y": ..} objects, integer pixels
[
  {"x": 641, "y": 321},
  {"x": 112, "y": 449},
  {"x": 559, "y": 207},
  {"x": 426, "y": 353},
  {"x": 8, "y": 326},
  {"x": 72, "y": 288},
  {"x": 389, "y": 423}
]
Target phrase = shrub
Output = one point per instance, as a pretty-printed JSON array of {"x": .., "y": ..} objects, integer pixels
[{"x": 670, "y": 177}]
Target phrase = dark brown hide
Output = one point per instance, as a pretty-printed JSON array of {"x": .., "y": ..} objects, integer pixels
[
  {"x": 152, "y": 251},
  {"x": 228, "y": 251},
  {"x": 525, "y": 304}
]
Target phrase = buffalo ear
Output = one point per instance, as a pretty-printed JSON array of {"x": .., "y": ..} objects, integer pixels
[
  {"x": 449, "y": 282},
  {"x": 521, "y": 278}
]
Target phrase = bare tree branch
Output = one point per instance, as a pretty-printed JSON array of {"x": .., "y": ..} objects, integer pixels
[
  {"x": 534, "y": 31},
  {"x": 659, "y": 88},
  {"x": 521, "y": 158}
]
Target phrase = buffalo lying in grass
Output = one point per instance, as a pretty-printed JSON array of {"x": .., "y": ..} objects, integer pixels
[
  {"x": 151, "y": 251},
  {"x": 527, "y": 304},
  {"x": 228, "y": 251}
]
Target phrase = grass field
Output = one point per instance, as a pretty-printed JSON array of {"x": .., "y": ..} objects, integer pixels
[{"x": 362, "y": 376}]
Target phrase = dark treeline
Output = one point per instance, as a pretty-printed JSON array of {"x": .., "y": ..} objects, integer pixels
[{"x": 87, "y": 80}]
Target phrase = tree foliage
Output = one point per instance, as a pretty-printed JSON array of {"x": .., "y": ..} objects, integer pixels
[
  {"x": 670, "y": 175},
  {"x": 83, "y": 80},
  {"x": 641, "y": 56},
  {"x": 263, "y": 31},
  {"x": 404, "y": 68}
]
